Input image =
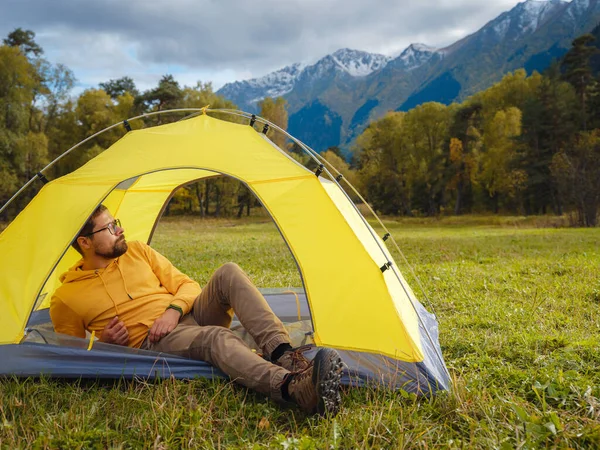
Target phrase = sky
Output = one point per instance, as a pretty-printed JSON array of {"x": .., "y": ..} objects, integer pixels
[{"x": 221, "y": 41}]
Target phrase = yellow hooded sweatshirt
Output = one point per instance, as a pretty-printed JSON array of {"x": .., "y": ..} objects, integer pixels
[{"x": 138, "y": 287}]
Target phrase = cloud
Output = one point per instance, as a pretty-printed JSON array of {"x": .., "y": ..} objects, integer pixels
[{"x": 222, "y": 41}]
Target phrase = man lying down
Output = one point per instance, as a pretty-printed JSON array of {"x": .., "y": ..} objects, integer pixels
[{"x": 130, "y": 295}]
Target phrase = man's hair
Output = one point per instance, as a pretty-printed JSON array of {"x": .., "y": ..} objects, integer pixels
[{"x": 88, "y": 227}]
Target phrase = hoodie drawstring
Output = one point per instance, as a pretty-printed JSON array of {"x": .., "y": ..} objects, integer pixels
[
  {"x": 123, "y": 278},
  {"x": 108, "y": 292}
]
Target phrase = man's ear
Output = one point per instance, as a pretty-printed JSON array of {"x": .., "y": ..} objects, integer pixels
[{"x": 84, "y": 243}]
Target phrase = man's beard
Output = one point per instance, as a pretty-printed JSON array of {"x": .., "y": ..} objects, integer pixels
[{"x": 118, "y": 249}]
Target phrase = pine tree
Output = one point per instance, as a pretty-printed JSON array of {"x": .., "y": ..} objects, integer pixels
[
  {"x": 167, "y": 95},
  {"x": 24, "y": 40},
  {"x": 578, "y": 72},
  {"x": 119, "y": 86}
]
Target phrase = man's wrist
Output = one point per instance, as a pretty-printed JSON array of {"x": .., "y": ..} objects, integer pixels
[{"x": 176, "y": 308}]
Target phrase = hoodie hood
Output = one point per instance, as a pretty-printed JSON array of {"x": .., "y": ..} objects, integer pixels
[{"x": 76, "y": 273}]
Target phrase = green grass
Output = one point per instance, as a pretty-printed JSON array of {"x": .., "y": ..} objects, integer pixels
[{"x": 519, "y": 313}]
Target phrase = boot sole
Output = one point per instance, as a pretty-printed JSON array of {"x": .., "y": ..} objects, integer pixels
[{"x": 326, "y": 376}]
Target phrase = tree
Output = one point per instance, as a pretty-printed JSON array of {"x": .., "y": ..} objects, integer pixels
[
  {"x": 58, "y": 81},
  {"x": 548, "y": 124},
  {"x": 343, "y": 168},
  {"x": 275, "y": 111},
  {"x": 463, "y": 167},
  {"x": 203, "y": 95},
  {"x": 52, "y": 82},
  {"x": 335, "y": 149},
  {"x": 426, "y": 128},
  {"x": 386, "y": 167},
  {"x": 577, "y": 170},
  {"x": 578, "y": 72},
  {"x": 24, "y": 40},
  {"x": 116, "y": 88},
  {"x": 31, "y": 155},
  {"x": 18, "y": 82},
  {"x": 93, "y": 111},
  {"x": 464, "y": 146},
  {"x": 167, "y": 95},
  {"x": 500, "y": 174},
  {"x": 515, "y": 89}
]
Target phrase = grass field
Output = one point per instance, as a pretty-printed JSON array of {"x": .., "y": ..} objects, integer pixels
[{"x": 519, "y": 313}]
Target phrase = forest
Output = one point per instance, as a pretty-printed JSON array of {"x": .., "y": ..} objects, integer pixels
[{"x": 528, "y": 145}]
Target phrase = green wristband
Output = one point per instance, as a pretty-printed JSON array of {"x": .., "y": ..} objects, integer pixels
[{"x": 176, "y": 308}]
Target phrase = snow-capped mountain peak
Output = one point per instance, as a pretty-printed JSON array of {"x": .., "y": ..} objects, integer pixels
[
  {"x": 421, "y": 47},
  {"x": 413, "y": 56},
  {"x": 525, "y": 18},
  {"x": 358, "y": 63},
  {"x": 355, "y": 63},
  {"x": 274, "y": 84},
  {"x": 534, "y": 13},
  {"x": 280, "y": 82}
]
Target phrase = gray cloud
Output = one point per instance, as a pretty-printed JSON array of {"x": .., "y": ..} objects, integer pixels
[{"x": 229, "y": 39}]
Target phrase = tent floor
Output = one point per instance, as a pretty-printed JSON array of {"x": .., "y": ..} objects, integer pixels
[{"x": 43, "y": 352}]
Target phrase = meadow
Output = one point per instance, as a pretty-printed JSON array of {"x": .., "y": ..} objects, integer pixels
[{"x": 518, "y": 302}]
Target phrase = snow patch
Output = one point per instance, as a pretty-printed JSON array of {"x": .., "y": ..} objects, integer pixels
[
  {"x": 501, "y": 28},
  {"x": 357, "y": 63},
  {"x": 415, "y": 55},
  {"x": 578, "y": 8},
  {"x": 525, "y": 18},
  {"x": 535, "y": 12}
]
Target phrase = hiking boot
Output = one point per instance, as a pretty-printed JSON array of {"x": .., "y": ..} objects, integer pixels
[
  {"x": 294, "y": 360},
  {"x": 317, "y": 388}
]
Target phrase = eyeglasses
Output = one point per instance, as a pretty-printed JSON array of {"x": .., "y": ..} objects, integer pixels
[{"x": 111, "y": 227}]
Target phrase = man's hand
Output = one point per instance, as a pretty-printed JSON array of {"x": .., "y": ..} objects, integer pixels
[
  {"x": 115, "y": 333},
  {"x": 164, "y": 324}
]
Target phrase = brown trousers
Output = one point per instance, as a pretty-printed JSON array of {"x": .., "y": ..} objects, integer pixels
[{"x": 204, "y": 333}]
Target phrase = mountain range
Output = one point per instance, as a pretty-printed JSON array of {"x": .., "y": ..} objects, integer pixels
[{"x": 331, "y": 101}]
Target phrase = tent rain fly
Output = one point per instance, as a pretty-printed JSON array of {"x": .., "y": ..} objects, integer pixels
[{"x": 358, "y": 300}]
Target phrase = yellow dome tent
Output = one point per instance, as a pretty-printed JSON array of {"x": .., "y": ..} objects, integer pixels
[{"x": 358, "y": 300}]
